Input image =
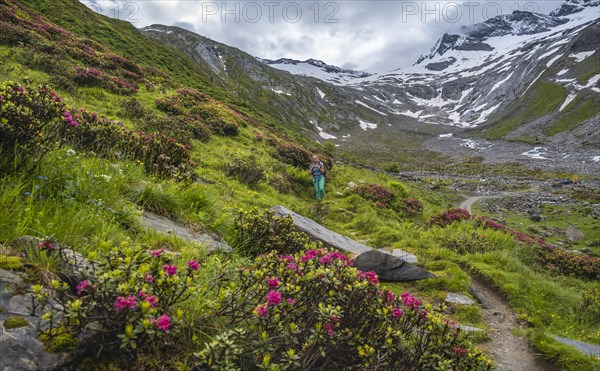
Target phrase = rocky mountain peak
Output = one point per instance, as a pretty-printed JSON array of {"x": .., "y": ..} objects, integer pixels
[{"x": 573, "y": 6}]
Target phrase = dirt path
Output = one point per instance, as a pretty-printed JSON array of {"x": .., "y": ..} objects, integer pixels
[
  {"x": 468, "y": 203},
  {"x": 511, "y": 352}
]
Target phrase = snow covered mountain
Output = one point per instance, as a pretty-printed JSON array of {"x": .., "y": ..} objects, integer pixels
[
  {"x": 524, "y": 78},
  {"x": 316, "y": 68}
]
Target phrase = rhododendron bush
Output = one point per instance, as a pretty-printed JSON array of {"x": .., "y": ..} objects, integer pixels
[
  {"x": 314, "y": 310},
  {"x": 129, "y": 296},
  {"x": 31, "y": 122}
]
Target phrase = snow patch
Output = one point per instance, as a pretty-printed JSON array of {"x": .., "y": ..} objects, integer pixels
[
  {"x": 367, "y": 125},
  {"x": 580, "y": 57},
  {"x": 277, "y": 91},
  {"x": 562, "y": 72},
  {"x": 537, "y": 153},
  {"x": 369, "y": 107},
  {"x": 324, "y": 135},
  {"x": 596, "y": 158},
  {"x": 567, "y": 101},
  {"x": 321, "y": 94},
  {"x": 551, "y": 61},
  {"x": 446, "y": 135}
]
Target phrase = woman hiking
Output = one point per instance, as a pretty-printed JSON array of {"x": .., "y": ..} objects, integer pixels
[{"x": 317, "y": 169}]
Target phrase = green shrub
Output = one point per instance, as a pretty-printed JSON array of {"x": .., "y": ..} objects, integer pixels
[
  {"x": 314, "y": 311},
  {"x": 374, "y": 192},
  {"x": 247, "y": 171},
  {"x": 11, "y": 263},
  {"x": 31, "y": 122},
  {"x": 57, "y": 340},
  {"x": 591, "y": 305},
  {"x": 131, "y": 293},
  {"x": 258, "y": 233}
]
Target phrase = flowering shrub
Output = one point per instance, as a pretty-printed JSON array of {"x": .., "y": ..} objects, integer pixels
[
  {"x": 374, "y": 192},
  {"x": 314, "y": 310},
  {"x": 261, "y": 233},
  {"x": 449, "y": 216},
  {"x": 548, "y": 256},
  {"x": 159, "y": 154},
  {"x": 411, "y": 206},
  {"x": 130, "y": 293},
  {"x": 31, "y": 120}
]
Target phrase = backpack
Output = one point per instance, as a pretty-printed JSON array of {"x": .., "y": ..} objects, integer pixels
[{"x": 324, "y": 172}]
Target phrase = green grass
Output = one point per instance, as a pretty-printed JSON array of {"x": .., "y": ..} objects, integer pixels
[
  {"x": 576, "y": 113},
  {"x": 544, "y": 98}
]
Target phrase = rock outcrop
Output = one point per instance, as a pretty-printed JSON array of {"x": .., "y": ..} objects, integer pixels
[{"x": 389, "y": 267}]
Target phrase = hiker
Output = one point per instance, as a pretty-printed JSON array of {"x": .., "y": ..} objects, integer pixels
[{"x": 317, "y": 170}]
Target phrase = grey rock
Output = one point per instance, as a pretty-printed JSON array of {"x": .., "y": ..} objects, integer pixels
[
  {"x": 536, "y": 217},
  {"x": 573, "y": 234},
  {"x": 469, "y": 328},
  {"x": 21, "y": 349},
  {"x": 389, "y": 267},
  {"x": 586, "y": 250},
  {"x": 25, "y": 243},
  {"x": 460, "y": 299},
  {"x": 406, "y": 256},
  {"x": 586, "y": 348},
  {"x": 319, "y": 233},
  {"x": 481, "y": 298},
  {"x": 165, "y": 225}
]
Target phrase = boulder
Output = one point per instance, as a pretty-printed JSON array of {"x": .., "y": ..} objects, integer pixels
[
  {"x": 573, "y": 234},
  {"x": 20, "y": 347},
  {"x": 591, "y": 350},
  {"x": 319, "y": 233},
  {"x": 389, "y": 267},
  {"x": 460, "y": 299},
  {"x": 167, "y": 226}
]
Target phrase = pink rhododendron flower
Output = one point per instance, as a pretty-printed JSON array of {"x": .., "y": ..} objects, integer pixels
[
  {"x": 82, "y": 286},
  {"x": 47, "y": 245},
  {"x": 286, "y": 258},
  {"x": 149, "y": 278},
  {"x": 273, "y": 283},
  {"x": 170, "y": 270},
  {"x": 369, "y": 276},
  {"x": 261, "y": 311},
  {"x": 291, "y": 266},
  {"x": 151, "y": 299},
  {"x": 157, "y": 252},
  {"x": 329, "y": 327},
  {"x": 193, "y": 265},
  {"x": 291, "y": 301},
  {"x": 273, "y": 297},
  {"x": 163, "y": 323},
  {"x": 125, "y": 302},
  {"x": 396, "y": 313}
]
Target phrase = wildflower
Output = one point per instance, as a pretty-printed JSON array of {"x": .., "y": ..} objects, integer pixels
[
  {"x": 170, "y": 270},
  {"x": 193, "y": 265},
  {"x": 82, "y": 286},
  {"x": 27, "y": 193},
  {"x": 125, "y": 302},
  {"x": 329, "y": 327},
  {"x": 71, "y": 152},
  {"x": 150, "y": 299},
  {"x": 291, "y": 301},
  {"x": 261, "y": 311},
  {"x": 291, "y": 266},
  {"x": 273, "y": 283},
  {"x": 459, "y": 350},
  {"x": 157, "y": 252},
  {"x": 273, "y": 297},
  {"x": 396, "y": 313},
  {"x": 163, "y": 323},
  {"x": 47, "y": 245},
  {"x": 149, "y": 278}
]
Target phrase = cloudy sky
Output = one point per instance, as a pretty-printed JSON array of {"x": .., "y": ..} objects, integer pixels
[{"x": 374, "y": 36}]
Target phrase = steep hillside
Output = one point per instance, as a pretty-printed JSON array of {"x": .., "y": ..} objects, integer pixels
[{"x": 100, "y": 149}]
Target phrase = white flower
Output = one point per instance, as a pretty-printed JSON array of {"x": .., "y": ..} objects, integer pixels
[
  {"x": 71, "y": 152},
  {"x": 106, "y": 177}
]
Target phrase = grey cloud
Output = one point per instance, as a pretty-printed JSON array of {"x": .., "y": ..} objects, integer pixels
[{"x": 375, "y": 36}]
